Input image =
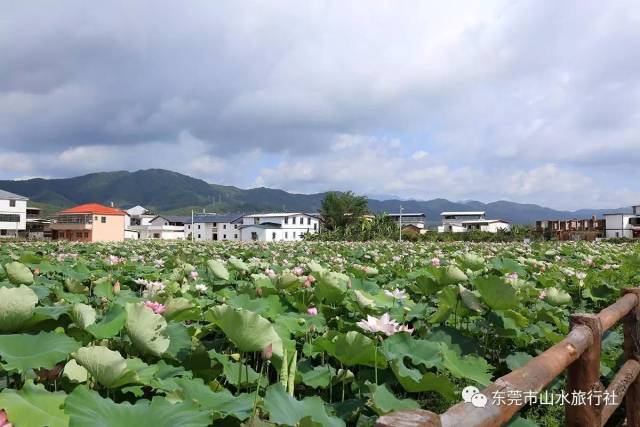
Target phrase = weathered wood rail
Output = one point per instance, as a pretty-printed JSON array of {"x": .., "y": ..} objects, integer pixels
[{"x": 579, "y": 354}]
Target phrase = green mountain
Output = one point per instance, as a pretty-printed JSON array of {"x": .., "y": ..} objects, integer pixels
[{"x": 170, "y": 192}]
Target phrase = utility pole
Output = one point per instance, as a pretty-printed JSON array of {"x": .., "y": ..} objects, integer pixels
[
  {"x": 400, "y": 218},
  {"x": 192, "y": 225}
]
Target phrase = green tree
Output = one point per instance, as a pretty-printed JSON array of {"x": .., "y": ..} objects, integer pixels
[{"x": 341, "y": 209}]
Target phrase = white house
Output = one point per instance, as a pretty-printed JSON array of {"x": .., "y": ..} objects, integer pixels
[
  {"x": 213, "y": 227},
  {"x": 164, "y": 227},
  {"x": 273, "y": 227},
  {"x": 623, "y": 224},
  {"x": 13, "y": 214},
  {"x": 459, "y": 222}
]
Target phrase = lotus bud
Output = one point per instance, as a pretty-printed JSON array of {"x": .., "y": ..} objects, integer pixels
[
  {"x": 259, "y": 292},
  {"x": 267, "y": 352},
  {"x": 116, "y": 288},
  {"x": 36, "y": 271},
  {"x": 312, "y": 328}
]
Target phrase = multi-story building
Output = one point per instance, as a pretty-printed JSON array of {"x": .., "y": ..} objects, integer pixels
[
  {"x": 571, "y": 229},
  {"x": 213, "y": 227},
  {"x": 623, "y": 224},
  {"x": 417, "y": 220},
  {"x": 283, "y": 226},
  {"x": 91, "y": 222},
  {"x": 13, "y": 214},
  {"x": 165, "y": 227}
]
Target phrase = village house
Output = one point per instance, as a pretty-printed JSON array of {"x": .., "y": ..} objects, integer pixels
[
  {"x": 91, "y": 222},
  {"x": 214, "y": 227},
  {"x": 460, "y": 222},
  {"x": 416, "y": 220},
  {"x": 164, "y": 227},
  {"x": 37, "y": 227},
  {"x": 623, "y": 224},
  {"x": 13, "y": 214},
  {"x": 272, "y": 227}
]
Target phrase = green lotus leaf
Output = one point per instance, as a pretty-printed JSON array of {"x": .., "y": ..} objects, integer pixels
[
  {"x": 18, "y": 273},
  {"x": 317, "y": 377},
  {"x": 74, "y": 372},
  {"x": 21, "y": 352},
  {"x": 383, "y": 400},
  {"x": 180, "y": 309},
  {"x": 238, "y": 264},
  {"x": 452, "y": 275},
  {"x": 88, "y": 408},
  {"x": 146, "y": 329},
  {"x": 467, "y": 367},
  {"x": 247, "y": 330},
  {"x": 470, "y": 299},
  {"x": 364, "y": 300},
  {"x": 287, "y": 279},
  {"x": 222, "y": 403},
  {"x": 34, "y": 406},
  {"x": 108, "y": 367},
  {"x": 354, "y": 348},
  {"x": 556, "y": 296},
  {"x": 498, "y": 294},
  {"x": 218, "y": 269},
  {"x": 17, "y": 306},
  {"x": 287, "y": 411},
  {"x": 332, "y": 286},
  {"x": 473, "y": 261},
  {"x": 83, "y": 315},
  {"x": 110, "y": 325}
]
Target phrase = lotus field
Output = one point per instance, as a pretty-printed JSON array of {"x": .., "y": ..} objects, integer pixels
[{"x": 298, "y": 334}]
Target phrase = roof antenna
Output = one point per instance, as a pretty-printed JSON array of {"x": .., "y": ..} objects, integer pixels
[{"x": 111, "y": 204}]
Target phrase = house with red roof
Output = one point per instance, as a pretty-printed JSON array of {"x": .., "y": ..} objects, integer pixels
[{"x": 91, "y": 222}]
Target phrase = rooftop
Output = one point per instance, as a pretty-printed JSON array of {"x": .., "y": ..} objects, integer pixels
[
  {"x": 276, "y": 214},
  {"x": 469, "y": 213},
  {"x": 93, "y": 208},
  {"x": 408, "y": 214},
  {"x": 263, "y": 225},
  {"x": 209, "y": 218},
  {"x": 5, "y": 195}
]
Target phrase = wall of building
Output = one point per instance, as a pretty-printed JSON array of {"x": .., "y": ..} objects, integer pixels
[
  {"x": 111, "y": 230},
  {"x": 20, "y": 209}
]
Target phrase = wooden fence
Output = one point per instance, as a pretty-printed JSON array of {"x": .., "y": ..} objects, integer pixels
[{"x": 579, "y": 353}]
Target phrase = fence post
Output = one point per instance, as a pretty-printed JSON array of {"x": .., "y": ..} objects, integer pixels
[
  {"x": 632, "y": 351},
  {"x": 410, "y": 418},
  {"x": 583, "y": 376}
]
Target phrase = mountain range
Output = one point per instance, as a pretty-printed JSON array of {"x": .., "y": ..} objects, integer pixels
[{"x": 170, "y": 192}]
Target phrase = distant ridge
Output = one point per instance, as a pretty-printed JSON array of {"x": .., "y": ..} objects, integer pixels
[{"x": 171, "y": 192}]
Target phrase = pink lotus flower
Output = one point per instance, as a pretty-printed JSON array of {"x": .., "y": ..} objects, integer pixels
[
  {"x": 113, "y": 260},
  {"x": 159, "y": 263},
  {"x": 156, "y": 307},
  {"x": 298, "y": 271},
  {"x": 194, "y": 275},
  {"x": 512, "y": 277},
  {"x": 543, "y": 295},
  {"x": 312, "y": 311},
  {"x": 269, "y": 272},
  {"x": 4, "y": 420},
  {"x": 116, "y": 288},
  {"x": 385, "y": 324},
  {"x": 267, "y": 352},
  {"x": 435, "y": 262}
]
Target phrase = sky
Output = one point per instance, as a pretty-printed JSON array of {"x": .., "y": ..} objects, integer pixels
[{"x": 528, "y": 101}]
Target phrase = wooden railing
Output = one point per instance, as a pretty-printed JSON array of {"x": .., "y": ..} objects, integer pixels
[{"x": 579, "y": 353}]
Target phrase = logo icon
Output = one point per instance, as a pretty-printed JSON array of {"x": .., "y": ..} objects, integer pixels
[{"x": 471, "y": 394}]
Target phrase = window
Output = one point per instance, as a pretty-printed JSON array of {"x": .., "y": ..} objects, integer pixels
[
  {"x": 12, "y": 203},
  {"x": 198, "y": 226},
  {"x": 224, "y": 226},
  {"x": 95, "y": 218},
  {"x": 9, "y": 218},
  {"x": 293, "y": 220},
  {"x": 309, "y": 221},
  {"x": 215, "y": 236},
  {"x": 235, "y": 236},
  {"x": 156, "y": 235},
  {"x": 78, "y": 235},
  {"x": 224, "y": 236},
  {"x": 215, "y": 224},
  {"x": 86, "y": 234},
  {"x": 103, "y": 219},
  {"x": 273, "y": 235},
  {"x": 286, "y": 234},
  {"x": 235, "y": 226},
  {"x": 286, "y": 220},
  {"x": 254, "y": 235},
  {"x": 198, "y": 236},
  {"x": 315, "y": 225},
  {"x": 3, "y": 232}
]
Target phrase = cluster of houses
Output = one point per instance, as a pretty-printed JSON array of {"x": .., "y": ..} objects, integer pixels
[{"x": 93, "y": 222}]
